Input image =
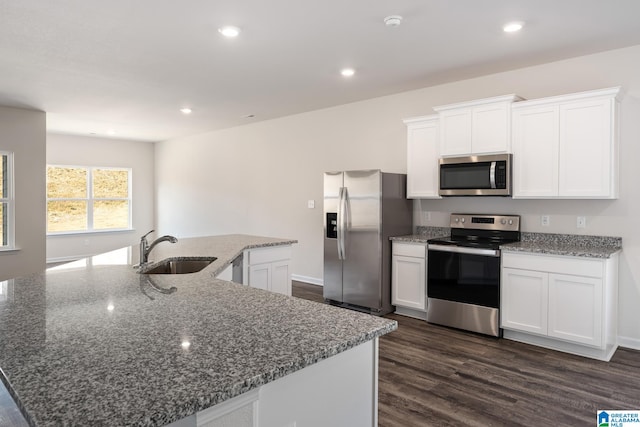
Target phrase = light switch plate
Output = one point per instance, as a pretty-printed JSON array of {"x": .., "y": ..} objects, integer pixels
[{"x": 311, "y": 204}]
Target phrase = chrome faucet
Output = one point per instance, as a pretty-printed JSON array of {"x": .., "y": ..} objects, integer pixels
[{"x": 145, "y": 247}]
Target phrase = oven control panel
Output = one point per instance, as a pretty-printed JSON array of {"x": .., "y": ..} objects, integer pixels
[{"x": 486, "y": 222}]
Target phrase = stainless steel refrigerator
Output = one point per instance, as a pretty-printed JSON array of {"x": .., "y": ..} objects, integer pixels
[{"x": 362, "y": 209}]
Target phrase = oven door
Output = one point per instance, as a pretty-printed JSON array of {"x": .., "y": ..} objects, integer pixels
[{"x": 466, "y": 275}]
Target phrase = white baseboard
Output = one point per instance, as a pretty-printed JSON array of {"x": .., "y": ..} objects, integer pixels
[
  {"x": 307, "y": 279},
  {"x": 64, "y": 259},
  {"x": 626, "y": 342}
]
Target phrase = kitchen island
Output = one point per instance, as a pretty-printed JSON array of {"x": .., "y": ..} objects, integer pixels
[{"x": 100, "y": 344}]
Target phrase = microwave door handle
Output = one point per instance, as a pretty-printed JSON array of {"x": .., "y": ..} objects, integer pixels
[{"x": 492, "y": 175}]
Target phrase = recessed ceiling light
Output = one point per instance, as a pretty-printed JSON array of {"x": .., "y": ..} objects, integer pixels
[
  {"x": 393, "y": 20},
  {"x": 348, "y": 72},
  {"x": 111, "y": 132},
  {"x": 186, "y": 110},
  {"x": 229, "y": 31},
  {"x": 513, "y": 27}
]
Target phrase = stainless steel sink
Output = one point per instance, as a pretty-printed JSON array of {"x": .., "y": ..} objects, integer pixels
[{"x": 180, "y": 265}]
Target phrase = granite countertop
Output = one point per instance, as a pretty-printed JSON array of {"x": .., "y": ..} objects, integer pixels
[
  {"x": 423, "y": 234},
  {"x": 94, "y": 343},
  {"x": 566, "y": 244},
  {"x": 541, "y": 243}
]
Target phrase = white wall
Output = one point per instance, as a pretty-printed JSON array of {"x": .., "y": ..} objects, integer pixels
[
  {"x": 257, "y": 178},
  {"x": 93, "y": 151},
  {"x": 23, "y": 133}
]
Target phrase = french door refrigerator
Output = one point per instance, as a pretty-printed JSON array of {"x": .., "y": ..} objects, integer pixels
[{"x": 362, "y": 210}]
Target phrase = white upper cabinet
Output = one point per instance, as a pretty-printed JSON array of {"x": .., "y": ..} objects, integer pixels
[
  {"x": 476, "y": 127},
  {"x": 536, "y": 147},
  {"x": 422, "y": 157},
  {"x": 567, "y": 146}
]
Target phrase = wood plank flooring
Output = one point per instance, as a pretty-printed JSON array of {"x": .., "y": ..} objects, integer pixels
[{"x": 436, "y": 376}]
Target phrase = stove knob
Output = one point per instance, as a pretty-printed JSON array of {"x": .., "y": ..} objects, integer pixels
[
  {"x": 503, "y": 221},
  {"x": 462, "y": 220},
  {"x": 457, "y": 219},
  {"x": 510, "y": 222}
]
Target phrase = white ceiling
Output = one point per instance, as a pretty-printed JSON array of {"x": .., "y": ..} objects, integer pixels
[{"x": 129, "y": 65}]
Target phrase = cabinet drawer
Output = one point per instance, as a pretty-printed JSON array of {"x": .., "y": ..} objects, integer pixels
[
  {"x": 270, "y": 254},
  {"x": 416, "y": 250},
  {"x": 554, "y": 264}
]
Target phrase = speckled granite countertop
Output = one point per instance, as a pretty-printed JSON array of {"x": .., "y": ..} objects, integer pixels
[
  {"x": 566, "y": 244},
  {"x": 541, "y": 243},
  {"x": 97, "y": 345},
  {"x": 423, "y": 234}
]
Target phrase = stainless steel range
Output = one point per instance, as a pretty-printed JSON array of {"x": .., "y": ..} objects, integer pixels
[{"x": 463, "y": 274}]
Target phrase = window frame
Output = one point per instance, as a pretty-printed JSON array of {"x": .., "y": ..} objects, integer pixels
[
  {"x": 90, "y": 200},
  {"x": 9, "y": 200}
]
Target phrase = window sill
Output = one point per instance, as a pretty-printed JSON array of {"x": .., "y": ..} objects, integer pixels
[
  {"x": 9, "y": 250},
  {"x": 85, "y": 233}
]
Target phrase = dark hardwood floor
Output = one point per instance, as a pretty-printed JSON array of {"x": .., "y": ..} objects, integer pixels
[{"x": 436, "y": 376}]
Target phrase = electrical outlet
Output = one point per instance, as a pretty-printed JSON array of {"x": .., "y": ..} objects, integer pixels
[
  {"x": 426, "y": 216},
  {"x": 581, "y": 222},
  {"x": 311, "y": 204},
  {"x": 545, "y": 220}
]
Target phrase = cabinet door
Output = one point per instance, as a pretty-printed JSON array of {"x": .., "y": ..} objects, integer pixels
[
  {"x": 422, "y": 160},
  {"x": 408, "y": 286},
  {"x": 586, "y": 149},
  {"x": 536, "y": 136},
  {"x": 455, "y": 132},
  {"x": 490, "y": 129},
  {"x": 260, "y": 276},
  {"x": 280, "y": 277},
  {"x": 524, "y": 300},
  {"x": 575, "y": 309}
]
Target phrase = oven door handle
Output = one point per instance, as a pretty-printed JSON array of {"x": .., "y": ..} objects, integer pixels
[{"x": 464, "y": 250}]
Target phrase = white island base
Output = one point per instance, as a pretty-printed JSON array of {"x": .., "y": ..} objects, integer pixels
[{"x": 339, "y": 391}]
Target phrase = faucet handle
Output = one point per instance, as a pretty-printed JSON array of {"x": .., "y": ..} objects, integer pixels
[{"x": 145, "y": 236}]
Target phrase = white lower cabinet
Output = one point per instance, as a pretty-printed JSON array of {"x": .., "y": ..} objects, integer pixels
[
  {"x": 575, "y": 309},
  {"x": 409, "y": 279},
  {"x": 524, "y": 299},
  {"x": 269, "y": 269},
  {"x": 308, "y": 397},
  {"x": 561, "y": 302}
]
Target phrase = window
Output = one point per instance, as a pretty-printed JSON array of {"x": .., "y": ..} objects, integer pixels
[
  {"x": 85, "y": 199},
  {"x": 6, "y": 200}
]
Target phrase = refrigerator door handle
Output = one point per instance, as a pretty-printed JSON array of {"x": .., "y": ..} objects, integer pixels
[
  {"x": 340, "y": 224},
  {"x": 345, "y": 221}
]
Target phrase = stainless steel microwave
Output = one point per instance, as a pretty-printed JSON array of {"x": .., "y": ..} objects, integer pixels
[{"x": 488, "y": 175}]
